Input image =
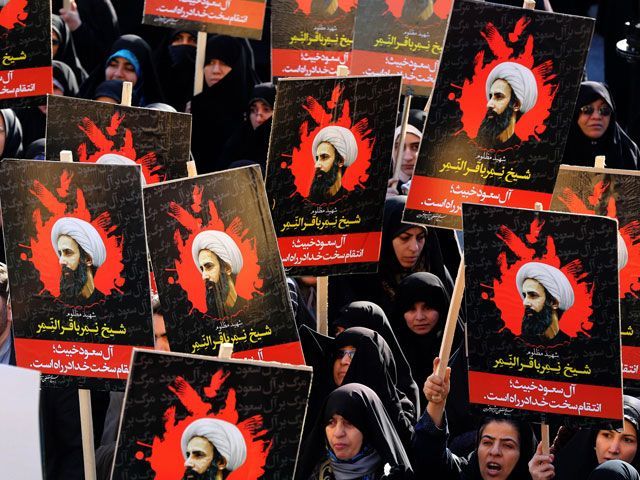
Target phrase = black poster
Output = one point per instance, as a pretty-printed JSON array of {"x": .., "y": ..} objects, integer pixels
[
  {"x": 78, "y": 272},
  {"x": 543, "y": 330},
  {"x": 25, "y": 53},
  {"x": 250, "y": 412},
  {"x": 329, "y": 160},
  {"x": 98, "y": 132},
  {"x": 614, "y": 194},
  {"x": 500, "y": 111},
  {"x": 217, "y": 267}
]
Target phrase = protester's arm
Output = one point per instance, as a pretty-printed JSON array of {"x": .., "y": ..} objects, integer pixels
[
  {"x": 436, "y": 389},
  {"x": 541, "y": 465}
]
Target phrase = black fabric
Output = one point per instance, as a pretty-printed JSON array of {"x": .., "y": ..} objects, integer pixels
[
  {"x": 220, "y": 109},
  {"x": 67, "y": 50},
  {"x": 35, "y": 150},
  {"x": 620, "y": 151},
  {"x": 147, "y": 87},
  {"x": 176, "y": 66},
  {"x": 369, "y": 315},
  {"x": 13, "y": 134},
  {"x": 382, "y": 287},
  {"x": 98, "y": 30},
  {"x": 614, "y": 470},
  {"x": 33, "y": 122},
  {"x": 361, "y": 406},
  {"x": 65, "y": 76},
  {"x": 577, "y": 459},
  {"x": 113, "y": 89}
]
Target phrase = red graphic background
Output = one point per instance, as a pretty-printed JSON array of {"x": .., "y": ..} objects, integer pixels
[
  {"x": 441, "y": 8},
  {"x": 508, "y": 298},
  {"x": 103, "y": 142},
  {"x": 166, "y": 458},
  {"x": 302, "y": 159},
  {"x": 13, "y": 13},
  {"x": 109, "y": 276},
  {"x": 304, "y": 6},
  {"x": 248, "y": 281},
  {"x": 473, "y": 97},
  {"x": 630, "y": 233}
]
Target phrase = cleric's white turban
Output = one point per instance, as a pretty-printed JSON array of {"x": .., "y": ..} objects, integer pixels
[
  {"x": 521, "y": 80},
  {"x": 623, "y": 253},
  {"x": 84, "y": 234},
  {"x": 115, "y": 159},
  {"x": 342, "y": 140},
  {"x": 224, "y": 436},
  {"x": 552, "y": 279},
  {"x": 221, "y": 244}
]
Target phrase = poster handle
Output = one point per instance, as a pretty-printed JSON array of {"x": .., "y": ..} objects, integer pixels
[
  {"x": 66, "y": 156},
  {"x": 544, "y": 435},
  {"x": 600, "y": 161},
  {"x": 452, "y": 320},
  {"x": 529, "y": 4},
  {"x": 403, "y": 135},
  {"x": 192, "y": 171},
  {"x": 226, "y": 350},
  {"x": 199, "y": 72},
  {"x": 86, "y": 426},
  {"x": 127, "y": 93},
  {"x": 66, "y": 4}
]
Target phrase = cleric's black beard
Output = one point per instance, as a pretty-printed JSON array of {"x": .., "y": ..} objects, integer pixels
[
  {"x": 71, "y": 285},
  {"x": 191, "y": 474},
  {"x": 534, "y": 324},
  {"x": 322, "y": 182},
  {"x": 217, "y": 294},
  {"x": 490, "y": 128}
]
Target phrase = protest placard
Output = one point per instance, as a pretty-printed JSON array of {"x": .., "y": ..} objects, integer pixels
[
  {"x": 329, "y": 161},
  {"x": 78, "y": 271},
  {"x": 543, "y": 330}
]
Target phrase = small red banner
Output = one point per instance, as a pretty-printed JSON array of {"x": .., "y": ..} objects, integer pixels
[
  {"x": 330, "y": 249},
  {"x": 447, "y": 196},
  {"x": 631, "y": 362},
  {"x": 285, "y": 353},
  {"x": 306, "y": 63},
  {"x": 545, "y": 396},
  {"x": 415, "y": 71},
  {"x": 27, "y": 82},
  {"x": 74, "y": 358},
  {"x": 235, "y": 13}
]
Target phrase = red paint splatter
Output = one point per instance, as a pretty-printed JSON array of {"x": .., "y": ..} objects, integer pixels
[
  {"x": 302, "y": 160},
  {"x": 473, "y": 98},
  {"x": 441, "y": 8},
  {"x": 506, "y": 294},
  {"x": 14, "y": 13},
  {"x": 304, "y": 6},
  {"x": 630, "y": 233},
  {"x": 166, "y": 458},
  {"x": 248, "y": 281},
  {"x": 106, "y": 143},
  {"x": 43, "y": 256}
]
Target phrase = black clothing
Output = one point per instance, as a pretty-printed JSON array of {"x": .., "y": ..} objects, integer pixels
[
  {"x": 13, "y": 134},
  {"x": 113, "y": 89},
  {"x": 219, "y": 110},
  {"x": 35, "y": 150},
  {"x": 247, "y": 144},
  {"x": 362, "y": 408},
  {"x": 614, "y": 470},
  {"x": 176, "y": 66},
  {"x": 620, "y": 151},
  {"x": 98, "y": 30},
  {"x": 64, "y": 75},
  {"x": 66, "y": 49}
]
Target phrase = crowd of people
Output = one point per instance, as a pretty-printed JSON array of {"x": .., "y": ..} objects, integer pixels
[{"x": 377, "y": 408}]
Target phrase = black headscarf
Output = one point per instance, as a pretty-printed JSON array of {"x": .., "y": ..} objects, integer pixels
[
  {"x": 176, "y": 66},
  {"x": 577, "y": 459},
  {"x": 369, "y": 315},
  {"x": 13, "y": 135},
  {"x": 220, "y": 109},
  {"x": 620, "y": 151},
  {"x": 63, "y": 75},
  {"x": 67, "y": 50},
  {"x": 35, "y": 150},
  {"x": 147, "y": 86},
  {"x": 361, "y": 406},
  {"x": 373, "y": 365},
  {"x": 113, "y": 89},
  {"x": 614, "y": 470}
]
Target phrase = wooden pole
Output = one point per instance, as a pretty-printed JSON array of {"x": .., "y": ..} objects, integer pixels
[
  {"x": 226, "y": 349},
  {"x": 86, "y": 426},
  {"x": 127, "y": 93},
  {"x": 322, "y": 305},
  {"x": 544, "y": 430},
  {"x": 66, "y": 156},
  {"x": 403, "y": 135},
  {"x": 191, "y": 169},
  {"x": 529, "y": 4},
  {"x": 200, "y": 53},
  {"x": 452, "y": 320},
  {"x": 600, "y": 161},
  {"x": 66, "y": 4}
]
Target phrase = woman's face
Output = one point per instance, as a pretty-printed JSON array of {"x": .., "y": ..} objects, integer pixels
[
  {"x": 259, "y": 113},
  {"x": 3, "y": 134},
  {"x": 121, "y": 69},
  {"x": 408, "y": 246},
  {"x": 184, "y": 38},
  {"x": 594, "y": 118},
  {"x": 343, "y": 437},
  {"x": 617, "y": 445},
  {"x": 498, "y": 450},
  {"x": 421, "y": 318},
  {"x": 342, "y": 362},
  {"x": 214, "y": 71},
  {"x": 55, "y": 43}
]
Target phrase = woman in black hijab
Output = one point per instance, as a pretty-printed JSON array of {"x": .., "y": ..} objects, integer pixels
[
  {"x": 371, "y": 316},
  {"x": 595, "y": 131},
  {"x": 129, "y": 59},
  {"x": 10, "y": 134},
  {"x": 354, "y": 438},
  {"x": 175, "y": 60},
  {"x": 219, "y": 110},
  {"x": 64, "y": 48},
  {"x": 405, "y": 249}
]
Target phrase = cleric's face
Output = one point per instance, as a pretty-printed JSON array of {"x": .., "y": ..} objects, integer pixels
[
  {"x": 199, "y": 454},
  {"x": 533, "y": 295},
  {"x": 499, "y": 96},
  {"x": 69, "y": 252},
  {"x": 325, "y": 156},
  {"x": 209, "y": 266}
]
